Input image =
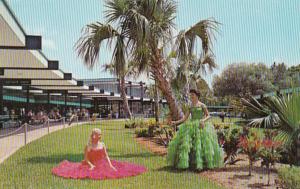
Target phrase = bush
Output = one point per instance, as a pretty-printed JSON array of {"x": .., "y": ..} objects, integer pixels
[
  {"x": 142, "y": 132},
  {"x": 290, "y": 177},
  {"x": 229, "y": 139},
  {"x": 219, "y": 126},
  {"x": 139, "y": 122},
  {"x": 130, "y": 124}
]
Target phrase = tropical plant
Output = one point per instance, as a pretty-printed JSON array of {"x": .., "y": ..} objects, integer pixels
[
  {"x": 270, "y": 154},
  {"x": 251, "y": 146},
  {"x": 229, "y": 140},
  {"x": 143, "y": 35},
  {"x": 281, "y": 112}
]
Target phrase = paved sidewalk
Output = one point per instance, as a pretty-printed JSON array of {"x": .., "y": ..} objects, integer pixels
[{"x": 10, "y": 144}]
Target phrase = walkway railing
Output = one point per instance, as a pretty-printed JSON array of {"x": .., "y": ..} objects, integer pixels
[
  {"x": 28, "y": 127},
  {"x": 13, "y": 140}
]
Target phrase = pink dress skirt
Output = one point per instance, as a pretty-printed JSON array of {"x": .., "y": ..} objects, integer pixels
[{"x": 102, "y": 170}]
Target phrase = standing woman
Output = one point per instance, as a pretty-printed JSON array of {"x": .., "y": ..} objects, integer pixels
[{"x": 195, "y": 145}]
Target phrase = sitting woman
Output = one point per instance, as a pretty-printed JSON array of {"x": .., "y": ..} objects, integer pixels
[
  {"x": 96, "y": 163},
  {"x": 195, "y": 145}
]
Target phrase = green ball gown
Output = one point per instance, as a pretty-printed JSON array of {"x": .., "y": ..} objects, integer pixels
[{"x": 194, "y": 147}]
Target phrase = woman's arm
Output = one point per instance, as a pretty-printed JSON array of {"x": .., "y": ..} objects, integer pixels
[
  {"x": 185, "y": 117},
  {"x": 206, "y": 115},
  {"x": 109, "y": 160},
  {"x": 92, "y": 166}
]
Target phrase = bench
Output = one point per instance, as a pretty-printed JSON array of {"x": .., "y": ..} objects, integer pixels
[{"x": 8, "y": 121}]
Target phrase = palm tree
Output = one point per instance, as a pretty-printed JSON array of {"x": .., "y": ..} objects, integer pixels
[
  {"x": 121, "y": 73},
  {"x": 153, "y": 93},
  {"x": 143, "y": 34},
  {"x": 281, "y": 112}
]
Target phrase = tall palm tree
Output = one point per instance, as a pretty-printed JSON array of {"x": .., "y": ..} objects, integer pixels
[
  {"x": 143, "y": 33},
  {"x": 276, "y": 112},
  {"x": 190, "y": 74},
  {"x": 121, "y": 76}
]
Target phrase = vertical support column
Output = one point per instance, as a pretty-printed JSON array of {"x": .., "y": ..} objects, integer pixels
[
  {"x": 131, "y": 108},
  {"x": 48, "y": 101},
  {"x": 142, "y": 96},
  {"x": 96, "y": 105},
  {"x": 65, "y": 93},
  {"x": 1, "y": 98},
  {"x": 80, "y": 102},
  {"x": 27, "y": 99},
  {"x": 130, "y": 88}
]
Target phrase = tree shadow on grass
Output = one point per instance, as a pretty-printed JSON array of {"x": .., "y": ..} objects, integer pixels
[
  {"x": 55, "y": 159},
  {"x": 174, "y": 170},
  {"x": 136, "y": 155}
]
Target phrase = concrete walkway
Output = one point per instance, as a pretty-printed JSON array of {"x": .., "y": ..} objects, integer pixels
[{"x": 10, "y": 144}]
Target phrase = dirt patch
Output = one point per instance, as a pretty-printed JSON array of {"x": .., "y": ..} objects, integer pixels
[
  {"x": 231, "y": 176},
  {"x": 154, "y": 145}
]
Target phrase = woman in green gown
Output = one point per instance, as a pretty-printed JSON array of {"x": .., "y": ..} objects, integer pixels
[{"x": 195, "y": 145}]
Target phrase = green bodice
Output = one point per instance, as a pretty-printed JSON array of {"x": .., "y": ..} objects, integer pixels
[{"x": 197, "y": 113}]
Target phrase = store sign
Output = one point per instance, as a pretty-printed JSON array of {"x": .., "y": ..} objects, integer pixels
[{"x": 16, "y": 82}]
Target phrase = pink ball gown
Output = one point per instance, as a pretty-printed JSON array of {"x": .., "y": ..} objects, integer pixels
[{"x": 101, "y": 171}]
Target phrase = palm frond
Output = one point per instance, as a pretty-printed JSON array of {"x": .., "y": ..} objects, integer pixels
[
  {"x": 88, "y": 46},
  {"x": 119, "y": 58},
  {"x": 203, "y": 30},
  {"x": 116, "y": 9}
]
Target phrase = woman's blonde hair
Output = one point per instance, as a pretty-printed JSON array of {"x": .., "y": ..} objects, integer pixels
[{"x": 95, "y": 130}]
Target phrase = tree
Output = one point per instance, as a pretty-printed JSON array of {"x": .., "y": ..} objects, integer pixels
[
  {"x": 143, "y": 32},
  {"x": 153, "y": 93},
  {"x": 120, "y": 73},
  {"x": 242, "y": 79},
  {"x": 189, "y": 74},
  {"x": 294, "y": 76}
]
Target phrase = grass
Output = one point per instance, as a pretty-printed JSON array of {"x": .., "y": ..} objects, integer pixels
[
  {"x": 217, "y": 120},
  {"x": 30, "y": 167},
  {"x": 290, "y": 177}
]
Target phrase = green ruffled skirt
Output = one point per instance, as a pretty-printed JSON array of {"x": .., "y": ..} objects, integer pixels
[{"x": 195, "y": 148}]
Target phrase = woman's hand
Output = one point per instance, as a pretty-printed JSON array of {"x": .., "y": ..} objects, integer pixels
[
  {"x": 92, "y": 166},
  {"x": 201, "y": 125},
  {"x": 170, "y": 122},
  {"x": 113, "y": 168}
]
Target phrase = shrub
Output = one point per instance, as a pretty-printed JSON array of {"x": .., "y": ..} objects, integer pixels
[
  {"x": 219, "y": 126},
  {"x": 130, "y": 124},
  {"x": 143, "y": 132},
  {"x": 229, "y": 139},
  {"x": 251, "y": 145},
  {"x": 290, "y": 177}
]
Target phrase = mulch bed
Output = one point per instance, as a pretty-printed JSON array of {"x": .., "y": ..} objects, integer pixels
[{"x": 231, "y": 176}]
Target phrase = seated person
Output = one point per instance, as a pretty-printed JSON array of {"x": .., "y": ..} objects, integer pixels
[{"x": 96, "y": 163}]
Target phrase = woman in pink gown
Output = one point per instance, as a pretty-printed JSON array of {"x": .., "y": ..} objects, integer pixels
[{"x": 96, "y": 163}]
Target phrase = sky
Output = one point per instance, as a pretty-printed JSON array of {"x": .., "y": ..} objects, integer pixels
[{"x": 264, "y": 31}]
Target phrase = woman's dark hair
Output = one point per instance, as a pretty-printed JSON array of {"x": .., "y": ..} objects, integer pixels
[{"x": 196, "y": 92}]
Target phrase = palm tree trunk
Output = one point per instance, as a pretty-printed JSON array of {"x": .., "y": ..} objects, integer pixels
[
  {"x": 165, "y": 87},
  {"x": 156, "y": 103},
  {"x": 123, "y": 96}
]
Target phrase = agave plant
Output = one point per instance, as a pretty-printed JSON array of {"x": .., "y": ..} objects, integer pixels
[{"x": 281, "y": 112}]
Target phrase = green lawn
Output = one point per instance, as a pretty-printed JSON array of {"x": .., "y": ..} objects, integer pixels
[{"x": 30, "y": 167}]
